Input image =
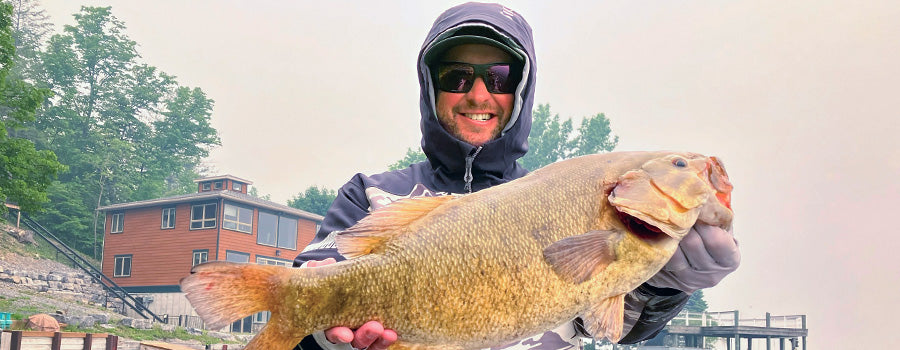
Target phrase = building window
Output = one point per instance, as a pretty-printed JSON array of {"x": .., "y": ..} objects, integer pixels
[
  {"x": 217, "y": 185},
  {"x": 237, "y": 218},
  {"x": 276, "y": 231},
  {"x": 200, "y": 256},
  {"x": 287, "y": 233},
  {"x": 205, "y": 186},
  {"x": 267, "y": 229},
  {"x": 203, "y": 216},
  {"x": 264, "y": 260},
  {"x": 123, "y": 266},
  {"x": 262, "y": 317},
  {"x": 117, "y": 224},
  {"x": 238, "y": 257},
  {"x": 236, "y": 186},
  {"x": 168, "y": 218}
]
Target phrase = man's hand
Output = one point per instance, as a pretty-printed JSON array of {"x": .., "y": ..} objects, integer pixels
[
  {"x": 704, "y": 257},
  {"x": 370, "y": 335}
]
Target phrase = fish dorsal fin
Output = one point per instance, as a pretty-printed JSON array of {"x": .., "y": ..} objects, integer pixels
[
  {"x": 606, "y": 318},
  {"x": 578, "y": 258},
  {"x": 381, "y": 225}
]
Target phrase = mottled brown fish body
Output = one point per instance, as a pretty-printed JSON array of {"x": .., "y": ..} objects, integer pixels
[{"x": 476, "y": 271}]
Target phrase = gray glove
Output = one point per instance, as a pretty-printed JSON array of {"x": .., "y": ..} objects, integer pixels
[{"x": 704, "y": 257}]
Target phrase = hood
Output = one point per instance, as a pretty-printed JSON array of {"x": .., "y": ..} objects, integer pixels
[{"x": 495, "y": 162}]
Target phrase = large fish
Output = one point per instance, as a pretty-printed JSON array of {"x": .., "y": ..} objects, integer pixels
[{"x": 467, "y": 272}]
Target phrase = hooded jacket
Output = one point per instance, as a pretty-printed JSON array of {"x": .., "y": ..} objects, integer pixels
[{"x": 454, "y": 166}]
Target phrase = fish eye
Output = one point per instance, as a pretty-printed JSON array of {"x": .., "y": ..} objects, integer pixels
[{"x": 681, "y": 163}]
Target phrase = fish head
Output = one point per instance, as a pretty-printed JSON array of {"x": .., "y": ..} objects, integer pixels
[{"x": 668, "y": 194}]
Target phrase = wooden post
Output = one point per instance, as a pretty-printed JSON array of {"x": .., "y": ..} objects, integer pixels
[
  {"x": 803, "y": 323},
  {"x": 737, "y": 336},
  {"x": 112, "y": 342},
  {"x": 768, "y": 325},
  {"x": 16, "y": 341},
  {"x": 57, "y": 341},
  {"x": 88, "y": 341},
  {"x": 781, "y": 343}
]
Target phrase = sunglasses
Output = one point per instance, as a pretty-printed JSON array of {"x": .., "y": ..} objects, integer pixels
[{"x": 458, "y": 77}]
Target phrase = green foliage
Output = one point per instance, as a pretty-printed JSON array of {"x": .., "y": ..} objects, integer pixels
[
  {"x": 412, "y": 157},
  {"x": 126, "y": 130},
  {"x": 314, "y": 200},
  {"x": 551, "y": 140},
  {"x": 25, "y": 172},
  {"x": 696, "y": 303}
]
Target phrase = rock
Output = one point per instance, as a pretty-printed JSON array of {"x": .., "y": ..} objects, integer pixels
[
  {"x": 137, "y": 323},
  {"x": 81, "y": 321},
  {"x": 101, "y": 318}
]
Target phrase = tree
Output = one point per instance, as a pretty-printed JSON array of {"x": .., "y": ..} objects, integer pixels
[
  {"x": 552, "y": 141},
  {"x": 25, "y": 172},
  {"x": 411, "y": 157},
  {"x": 31, "y": 26},
  {"x": 126, "y": 130},
  {"x": 696, "y": 303},
  {"x": 314, "y": 200}
]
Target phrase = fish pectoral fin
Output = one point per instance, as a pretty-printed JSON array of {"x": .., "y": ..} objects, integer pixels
[
  {"x": 381, "y": 225},
  {"x": 607, "y": 318},
  {"x": 578, "y": 258}
]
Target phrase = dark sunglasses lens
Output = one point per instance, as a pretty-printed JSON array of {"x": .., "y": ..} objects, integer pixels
[
  {"x": 455, "y": 78},
  {"x": 497, "y": 79}
]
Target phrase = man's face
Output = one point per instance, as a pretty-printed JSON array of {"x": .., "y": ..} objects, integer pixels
[{"x": 476, "y": 116}]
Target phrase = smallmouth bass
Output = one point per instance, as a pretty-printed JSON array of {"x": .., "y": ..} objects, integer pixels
[{"x": 484, "y": 269}]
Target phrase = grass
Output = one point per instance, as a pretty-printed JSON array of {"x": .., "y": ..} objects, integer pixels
[
  {"x": 156, "y": 333},
  {"x": 17, "y": 310}
]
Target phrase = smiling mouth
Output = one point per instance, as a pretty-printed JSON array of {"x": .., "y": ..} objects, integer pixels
[{"x": 477, "y": 116}]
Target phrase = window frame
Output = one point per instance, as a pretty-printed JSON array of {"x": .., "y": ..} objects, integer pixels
[
  {"x": 206, "y": 186},
  {"x": 260, "y": 259},
  {"x": 236, "y": 186},
  {"x": 113, "y": 222},
  {"x": 117, "y": 265},
  {"x": 237, "y": 223},
  {"x": 203, "y": 219},
  {"x": 171, "y": 218},
  {"x": 202, "y": 252}
]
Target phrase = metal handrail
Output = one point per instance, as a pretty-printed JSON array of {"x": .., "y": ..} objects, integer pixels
[{"x": 108, "y": 284}]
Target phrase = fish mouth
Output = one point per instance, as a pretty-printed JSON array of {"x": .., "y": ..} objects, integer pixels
[{"x": 641, "y": 228}]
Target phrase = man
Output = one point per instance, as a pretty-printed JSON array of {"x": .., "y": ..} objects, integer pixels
[{"x": 477, "y": 75}]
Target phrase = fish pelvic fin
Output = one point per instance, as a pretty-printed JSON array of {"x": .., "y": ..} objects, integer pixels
[
  {"x": 222, "y": 292},
  {"x": 370, "y": 233},
  {"x": 578, "y": 258},
  {"x": 607, "y": 318}
]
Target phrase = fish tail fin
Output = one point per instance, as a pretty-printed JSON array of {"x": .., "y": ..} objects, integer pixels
[{"x": 222, "y": 292}]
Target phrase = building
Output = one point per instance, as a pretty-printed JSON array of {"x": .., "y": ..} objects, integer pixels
[{"x": 150, "y": 245}]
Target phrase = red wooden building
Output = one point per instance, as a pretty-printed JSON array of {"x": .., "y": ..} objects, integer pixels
[{"x": 150, "y": 245}]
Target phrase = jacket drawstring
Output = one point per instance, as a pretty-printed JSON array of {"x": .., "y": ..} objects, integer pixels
[{"x": 468, "y": 177}]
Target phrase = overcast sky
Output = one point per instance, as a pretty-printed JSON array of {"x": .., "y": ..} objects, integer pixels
[{"x": 799, "y": 98}]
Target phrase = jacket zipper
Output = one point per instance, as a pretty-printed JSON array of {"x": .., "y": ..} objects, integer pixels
[{"x": 468, "y": 177}]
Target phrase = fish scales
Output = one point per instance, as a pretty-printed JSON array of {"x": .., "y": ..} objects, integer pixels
[{"x": 477, "y": 270}]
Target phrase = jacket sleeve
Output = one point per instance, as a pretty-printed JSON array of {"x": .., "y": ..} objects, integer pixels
[
  {"x": 648, "y": 309},
  {"x": 350, "y": 206}
]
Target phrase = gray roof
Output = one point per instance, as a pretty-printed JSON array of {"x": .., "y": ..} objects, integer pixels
[{"x": 229, "y": 195}]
